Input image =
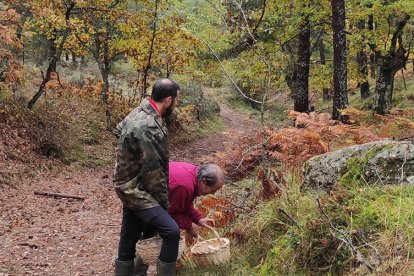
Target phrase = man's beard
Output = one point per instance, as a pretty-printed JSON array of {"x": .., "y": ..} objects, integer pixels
[{"x": 169, "y": 110}]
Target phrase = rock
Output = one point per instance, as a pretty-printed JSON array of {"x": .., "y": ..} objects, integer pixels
[{"x": 381, "y": 162}]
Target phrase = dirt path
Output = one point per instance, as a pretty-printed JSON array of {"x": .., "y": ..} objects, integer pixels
[
  {"x": 235, "y": 125},
  {"x": 47, "y": 236}
]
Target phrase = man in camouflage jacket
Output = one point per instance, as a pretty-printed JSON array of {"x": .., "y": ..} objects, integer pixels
[{"x": 141, "y": 181}]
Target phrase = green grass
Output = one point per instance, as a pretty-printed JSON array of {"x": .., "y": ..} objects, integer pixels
[
  {"x": 292, "y": 235},
  {"x": 209, "y": 126},
  {"x": 275, "y": 114},
  {"x": 196, "y": 130},
  {"x": 403, "y": 97},
  {"x": 374, "y": 219}
]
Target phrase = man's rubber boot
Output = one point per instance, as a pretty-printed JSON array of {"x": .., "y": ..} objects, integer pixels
[
  {"x": 124, "y": 268},
  {"x": 140, "y": 269},
  {"x": 165, "y": 269}
]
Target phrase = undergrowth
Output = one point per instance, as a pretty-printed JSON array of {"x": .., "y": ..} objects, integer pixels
[
  {"x": 403, "y": 95},
  {"x": 68, "y": 125},
  {"x": 356, "y": 228},
  {"x": 59, "y": 127},
  {"x": 197, "y": 115}
]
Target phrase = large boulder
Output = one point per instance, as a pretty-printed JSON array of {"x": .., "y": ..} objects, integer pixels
[{"x": 381, "y": 162}]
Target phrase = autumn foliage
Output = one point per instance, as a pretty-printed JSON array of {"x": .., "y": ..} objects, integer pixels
[
  {"x": 311, "y": 134},
  {"x": 10, "y": 68}
]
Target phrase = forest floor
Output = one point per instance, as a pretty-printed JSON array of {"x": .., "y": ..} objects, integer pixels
[{"x": 49, "y": 236}]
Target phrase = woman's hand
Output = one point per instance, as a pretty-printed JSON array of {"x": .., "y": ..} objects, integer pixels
[{"x": 205, "y": 221}]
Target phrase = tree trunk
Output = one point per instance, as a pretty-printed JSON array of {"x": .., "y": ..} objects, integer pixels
[
  {"x": 151, "y": 49},
  {"x": 340, "y": 98},
  {"x": 364, "y": 89},
  {"x": 383, "y": 92},
  {"x": 105, "y": 90},
  {"x": 19, "y": 33},
  {"x": 168, "y": 74},
  {"x": 105, "y": 71},
  {"x": 74, "y": 59},
  {"x": 104, "y": 65},
  {"x": 389, "y": 64},
  {"x": 326, "y": 94},
  {"x": 373, "y": 67},
  {"x": 55, "y": 53},
  {"x": 46, "y": 78},
  {"x": 372, "y": 56},
  {"x": 325, "y": 91},
  {"x": 105, "y": 86},
  {"x": 362, "y": 61},
  {"x": 298, "y": 79}
]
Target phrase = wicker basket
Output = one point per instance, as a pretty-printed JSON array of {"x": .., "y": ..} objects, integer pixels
[
  {"x": 211, "y": 252},
  {"x": 149, "y": 249}
]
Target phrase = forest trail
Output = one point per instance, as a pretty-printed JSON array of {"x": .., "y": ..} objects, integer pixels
[
  {"x": 235, "y": 125},
  {"x": 47, "y": 236}
]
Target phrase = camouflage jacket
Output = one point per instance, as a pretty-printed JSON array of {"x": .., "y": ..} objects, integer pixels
[{"x": 141, "y": 170}]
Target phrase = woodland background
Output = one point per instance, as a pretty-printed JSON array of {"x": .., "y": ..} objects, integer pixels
[{"x": 266, "y": 85}]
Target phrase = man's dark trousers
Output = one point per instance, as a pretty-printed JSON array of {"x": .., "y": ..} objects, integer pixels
[{"x": 144, "y": 224}]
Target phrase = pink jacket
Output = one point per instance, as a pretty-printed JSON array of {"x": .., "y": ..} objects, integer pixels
[{"x": 183, "y": 191}]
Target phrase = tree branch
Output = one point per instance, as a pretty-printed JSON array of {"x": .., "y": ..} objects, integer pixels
[
  {"x": 151, "y": 49},
  {"x": 58, "y": 195},
  {"x": 397, "y": 33},
  {"x": 389, "y": 31},
  {"x": 224, "y": 70},
  {"x": 261, "y": 17},
  {"x": 245, "y": 20},
  {"x": 321, "y": 33},
  {"x": 83, "y": 43},
  {"x": 303, "y": 30}
]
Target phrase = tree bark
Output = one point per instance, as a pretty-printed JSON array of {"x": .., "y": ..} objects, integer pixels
[
  {"x": 105, "y": 79},
  {"x": 325, "y": 91},
  {"x": 101, "y": 55},
  {"x": 389, "y": 64},
  {"x": 372, "y": 56},
  {"x": 168, "y": 73},
  {"x": 74, "y": 62},
  {"x": 340, "y": 98},
  {"x": 362, "y": 61},
  {"x": 298, "y": 79},
  {"x": 46, "y": 78},
  {"x": 383, "y": 91}
]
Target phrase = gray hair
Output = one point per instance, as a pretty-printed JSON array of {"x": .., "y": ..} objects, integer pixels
[{"x": 210, "y": 173}]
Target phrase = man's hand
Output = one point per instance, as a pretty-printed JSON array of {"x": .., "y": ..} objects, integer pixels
[
  {"x": 205, "y": 221},
  {"x": 193, "y": 231}
]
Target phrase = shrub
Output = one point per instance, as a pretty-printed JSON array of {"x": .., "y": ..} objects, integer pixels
[
  {"x": 356, "y": 228},
  {"x": 192, "y": 95}
]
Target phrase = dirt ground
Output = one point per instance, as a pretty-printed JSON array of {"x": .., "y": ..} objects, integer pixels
[
  {"x": 48, "y": 236},
  {"x": 235, "y": 125}
]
